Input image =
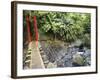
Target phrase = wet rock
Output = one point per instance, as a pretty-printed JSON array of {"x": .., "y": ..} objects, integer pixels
[
  {"x": 87, "y": 53},
  {"x": 68, "y": 63}
]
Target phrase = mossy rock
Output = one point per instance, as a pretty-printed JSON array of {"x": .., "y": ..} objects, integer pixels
[{"x": 78, "y": 59}]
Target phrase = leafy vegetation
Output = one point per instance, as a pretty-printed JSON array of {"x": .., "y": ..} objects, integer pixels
[{"x": 65, "y": 26}]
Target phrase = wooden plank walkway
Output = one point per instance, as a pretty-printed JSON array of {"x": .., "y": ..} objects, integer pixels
[{"x": 36, "y": 59}]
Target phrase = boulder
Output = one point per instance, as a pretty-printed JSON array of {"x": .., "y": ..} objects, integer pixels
[
  {"x": 78, "y": 60},
  {"x": 51, "y": 65}
]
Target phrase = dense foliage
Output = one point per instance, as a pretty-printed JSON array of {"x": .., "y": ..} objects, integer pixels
[{"x": 66, "y": 26}]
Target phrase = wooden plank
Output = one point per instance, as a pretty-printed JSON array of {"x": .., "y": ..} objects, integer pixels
[{"x": 36, "y": 59}]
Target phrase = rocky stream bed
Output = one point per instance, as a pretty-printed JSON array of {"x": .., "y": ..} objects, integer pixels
[{"x": 61, "y": 55}]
